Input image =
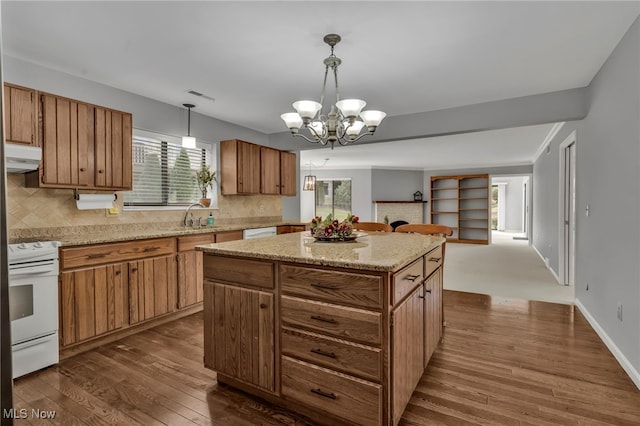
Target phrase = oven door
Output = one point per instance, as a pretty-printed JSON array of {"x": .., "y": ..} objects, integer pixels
[{"x": 33, "y": 305}]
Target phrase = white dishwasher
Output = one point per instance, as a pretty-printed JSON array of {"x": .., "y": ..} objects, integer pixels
[{"x": 249, "y": 234}]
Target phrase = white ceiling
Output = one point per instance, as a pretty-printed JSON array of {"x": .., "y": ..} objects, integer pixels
[{"x": 256, "y": 58}]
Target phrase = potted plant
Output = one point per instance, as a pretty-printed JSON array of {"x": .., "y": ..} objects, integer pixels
[{"x": 205, "y": 177}]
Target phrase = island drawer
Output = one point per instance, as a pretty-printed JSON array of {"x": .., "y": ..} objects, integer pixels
[
  {"x": 332, "y": 286},
  {"x": 432, "y": 261},
  {"x": 351, "y": 358},
  {"x": 355, "y": 400},
  {"x": 339, "y": 321},
  {"x": 82, "y": 256},
  {"x": 254, "y": 273},
  {"x": 406, "y": 279}
]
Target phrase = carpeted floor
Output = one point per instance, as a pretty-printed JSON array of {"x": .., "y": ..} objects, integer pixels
[{"x": 508, "y": 268}]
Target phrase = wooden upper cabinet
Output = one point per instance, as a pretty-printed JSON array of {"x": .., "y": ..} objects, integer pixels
[
  {"x": 247, "y": 168},
  {"x": 287, "y": 173},
  {"x": 269, "y": 171},
  {"x": 83, "y": 146},
  {"x": 20, "y": 115},
  {"x": 67, "y": 143},
  {"x": 240, "y": 167},
  {"x": 113, "y": 134}
]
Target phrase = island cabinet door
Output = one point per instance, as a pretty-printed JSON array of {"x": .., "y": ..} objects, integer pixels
[
  {"x": 239, "y": 333},
  {"x": 407, "y": 350},
  {"x": 432, "y": 314}
]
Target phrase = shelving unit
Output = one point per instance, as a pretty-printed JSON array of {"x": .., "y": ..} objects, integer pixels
[{"x": 462, "y": 203}]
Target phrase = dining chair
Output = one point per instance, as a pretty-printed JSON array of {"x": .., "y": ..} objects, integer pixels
[
  {"x": 372, "y": 226},
  {"x": 426, "y": 229}
]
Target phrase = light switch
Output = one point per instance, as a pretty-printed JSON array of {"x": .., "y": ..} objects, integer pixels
[{"x": 587, "y": 209}]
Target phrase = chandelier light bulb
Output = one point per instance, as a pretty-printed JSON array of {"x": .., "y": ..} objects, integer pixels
[
  {"x": 354, "y": 129},
  {"x": 372, "y": 118},
  {"x": 292, "y": 120},
  {"x": 350, "y": 107},
  {"x": 307, "y": 109}
]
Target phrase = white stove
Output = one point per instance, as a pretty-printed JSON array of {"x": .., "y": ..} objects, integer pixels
[{"x": 33, "y": 305}]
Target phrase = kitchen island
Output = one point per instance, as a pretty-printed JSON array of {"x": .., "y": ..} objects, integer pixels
[{"x": 338, "y": 332}]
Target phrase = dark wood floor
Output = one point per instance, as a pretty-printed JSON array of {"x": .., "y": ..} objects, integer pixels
[{"x": 502, "y": 362}]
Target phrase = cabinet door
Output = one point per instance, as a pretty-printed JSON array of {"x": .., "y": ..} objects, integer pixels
[
  {"x": 152, "y": 288},
  {"x": 432, "y": 314},
  {"x": 269, "y": 171},
  {"x": 239, "y": 334},
  {"x": 189, "y": 278},
  {"x": 407, "y": 349},
  {"x": 113, "y": 135},
  {"x": 92, "y": 302},
  {"x": 20, "y": 115},
  {"x": 287, "y": 173},
  {"x": 248, "y": 168},
  {"x": 67, "y": 143}
]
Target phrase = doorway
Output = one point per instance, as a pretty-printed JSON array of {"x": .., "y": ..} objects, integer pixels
[
  {"x": 567, "y": 210},
  {"x": 510, "y": 212}
]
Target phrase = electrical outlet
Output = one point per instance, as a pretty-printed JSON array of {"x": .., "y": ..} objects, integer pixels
[{"x": 620, "y": 311}]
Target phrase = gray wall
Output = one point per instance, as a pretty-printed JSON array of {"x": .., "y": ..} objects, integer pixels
[
  {"x": 396, "y": 185},
  {"x": 607, "y": 178}
]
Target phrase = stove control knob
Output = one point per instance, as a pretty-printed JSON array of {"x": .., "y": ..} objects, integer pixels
[
  {"x": 22, "y": 246},
  {"x": 38, "y": 244}
]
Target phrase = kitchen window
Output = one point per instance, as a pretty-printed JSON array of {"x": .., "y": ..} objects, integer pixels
[
  {"x": 164, "y": 173},
  {"x": 333, "y": 196}
]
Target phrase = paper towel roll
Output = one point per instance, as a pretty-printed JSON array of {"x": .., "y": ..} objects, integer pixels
[{"x": 94, "y": 201}]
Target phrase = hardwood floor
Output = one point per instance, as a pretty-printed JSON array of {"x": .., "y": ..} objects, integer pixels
[{"x": 502, "y": 361}]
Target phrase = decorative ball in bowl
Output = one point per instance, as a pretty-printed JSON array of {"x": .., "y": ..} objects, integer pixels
[{"x": 332, "y": 230}]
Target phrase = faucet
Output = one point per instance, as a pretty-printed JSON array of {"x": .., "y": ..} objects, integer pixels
[{"x": 190, "y": 222}]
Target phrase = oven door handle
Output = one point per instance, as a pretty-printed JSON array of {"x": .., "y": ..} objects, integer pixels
[{"x": 31, "y": 270}]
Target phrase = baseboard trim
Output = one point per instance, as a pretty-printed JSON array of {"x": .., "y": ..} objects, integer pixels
[
  {"x": 633, "y": 374},
  {"x": 546, "y": 263}
]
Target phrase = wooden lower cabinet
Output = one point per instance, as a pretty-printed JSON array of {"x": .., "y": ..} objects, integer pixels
[
  {"x": 407, "y": 343},
  {"x": 152, "y": 288},
  {"x": 190, "y": 272},
  {"x": 239, "y": 340},
  {"x": 93, "y": 302},
  {"x": 432, "y": 313}
]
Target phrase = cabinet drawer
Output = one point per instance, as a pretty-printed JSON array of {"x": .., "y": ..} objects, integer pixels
[
  {"x": 332, "y": 286},
  {"x": 352, "y": 399},
  {"x": 341, "y": 355},
  {"x": 189, "y": 243},
  {"x": 406, "y": 280},
  {"x": 239, "y": 271},
  {"x": 75, "y": 257},
  {"x": 432, "y": 261},
  {"x": 347, "y": 323}
]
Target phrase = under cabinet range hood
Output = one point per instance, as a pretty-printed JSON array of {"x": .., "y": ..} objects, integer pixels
[{"x": 21, "y": 158}]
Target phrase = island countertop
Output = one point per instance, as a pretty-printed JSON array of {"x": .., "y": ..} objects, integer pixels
[{"x": 373, "y": 251}]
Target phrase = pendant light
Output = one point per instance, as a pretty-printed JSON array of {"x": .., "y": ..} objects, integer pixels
[{"x": 188, "y": 141}]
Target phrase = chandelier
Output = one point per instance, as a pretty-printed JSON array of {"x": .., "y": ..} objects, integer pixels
[{"x": 341, "y": 124}]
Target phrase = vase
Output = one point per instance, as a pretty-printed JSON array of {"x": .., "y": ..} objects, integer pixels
[{"x": 205, "y": 202}]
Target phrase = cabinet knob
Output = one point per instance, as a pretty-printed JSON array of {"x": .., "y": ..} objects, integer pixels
[
  {"x": 100, "y": 171},
  {"x": 134, "y": 269},
  {"x": 263, "y": 306},
  {"x": 82, "y": 169}
]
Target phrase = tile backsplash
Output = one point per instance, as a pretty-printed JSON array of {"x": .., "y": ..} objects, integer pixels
[{"x": 29, "y": 208}]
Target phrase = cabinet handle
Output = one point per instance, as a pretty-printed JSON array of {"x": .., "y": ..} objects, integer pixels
[
  {"x": 323, "y": 286},
  {"x": 323, "y": 353},
  {"x": 412, "y": 277},
  {"x": 323, "y": 319},
  {"x": 134, "y": 269},
  {"x": 82, "y": 169},
  {"x": 428, "y": 291},
  {"x": 151, "y": 248},
  {"x": 322, "y": 393},
  {"x": 117, "y": 272},
  {"x": 434, "y": 259},
  {"x": 96, "y": 255},
  {"x": 421, "y": 296},
  {"x": 263, "y": 306}
]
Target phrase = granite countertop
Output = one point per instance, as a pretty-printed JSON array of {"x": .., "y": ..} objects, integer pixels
[
  {"x": 82, "y": 235},
  {"x": 373, "y": 251}
]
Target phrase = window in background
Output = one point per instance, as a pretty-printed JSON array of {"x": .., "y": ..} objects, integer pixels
[
  {"x": 333, "y": 196},
  {"x": 164, "y": 173}
]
